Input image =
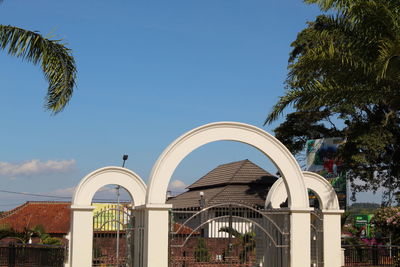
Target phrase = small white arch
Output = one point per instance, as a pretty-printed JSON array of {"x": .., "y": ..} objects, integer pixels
[
  {"x": 95, "y": 180},
  {"x": 82, "y": 211},
  {"x": 230, "y": 131},
  {"x": 323, "y": 190},
  {"x": 329, "y": 205}
]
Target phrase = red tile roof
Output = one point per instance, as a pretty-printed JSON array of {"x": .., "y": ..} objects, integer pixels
[
  {"x": 54, "y": 216},
  {"x": 180, "y": 229}
]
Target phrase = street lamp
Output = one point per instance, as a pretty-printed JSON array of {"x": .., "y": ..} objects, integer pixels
[
  {"x": 202, "y": 204},
  {"x": 202, "y": 201},
  {"x": 124, "y": 158}
]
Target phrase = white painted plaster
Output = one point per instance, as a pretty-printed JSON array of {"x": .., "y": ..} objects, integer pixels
[
  {"x": 81, "y": 243},
  {"x": 329, "y": 205},
  {"x": 324, "y": 191},
  {"x": 230, "y": 131}
]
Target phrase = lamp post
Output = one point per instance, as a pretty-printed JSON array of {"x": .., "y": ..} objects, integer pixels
[
  {"x": 202, "y": 204},
  {"x": 124, "y": 158},
  {"x": 202, "y": 201}
]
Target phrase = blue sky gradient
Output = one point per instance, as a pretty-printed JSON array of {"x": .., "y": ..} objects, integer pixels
[{"x": 148, "y": 71}]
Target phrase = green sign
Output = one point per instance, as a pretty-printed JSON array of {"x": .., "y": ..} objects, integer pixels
[{"x": 363, "y": 222}]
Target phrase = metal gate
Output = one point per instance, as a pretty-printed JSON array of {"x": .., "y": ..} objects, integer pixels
[
  {"x": 113, "y": 236},
  {"x": 229, "y": 234},
  {"x": 317, "y": 239}
]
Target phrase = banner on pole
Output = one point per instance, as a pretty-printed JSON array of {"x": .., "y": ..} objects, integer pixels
[{"x": 322, "y": 158}]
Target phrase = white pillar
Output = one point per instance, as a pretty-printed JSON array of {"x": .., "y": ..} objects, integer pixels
[
  {"x": 332, "y": 238},
  {"x": 343, "y": 259},
  {"x": 156, "y": 234},
  {"x": 300, "y": 245},
  {"x": 81, "y": 236},
  {"x": 68, "y": 237}
]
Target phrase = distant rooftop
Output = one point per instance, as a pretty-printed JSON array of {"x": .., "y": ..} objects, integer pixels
[
  {"x": 241, "y": 181},
  {"x": 53, "y": 215}
]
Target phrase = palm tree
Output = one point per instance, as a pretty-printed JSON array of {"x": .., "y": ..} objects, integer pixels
[
  {"x": 344, "y": 70},
  {"x": 55, "y": 59},
  {"x": 352, "y": 57}
]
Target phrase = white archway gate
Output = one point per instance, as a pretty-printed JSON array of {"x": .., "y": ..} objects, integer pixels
[
  {"x": 331, "y": 212},
  {"x": 82, "y": 211},
  {"x": 156, "y": 211}
]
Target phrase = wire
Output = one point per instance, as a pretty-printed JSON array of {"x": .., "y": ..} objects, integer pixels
[
  {"x": 52, "y": 196},
  {"x": 11, "y": 204},
  {"x": 31, "y": 194}
]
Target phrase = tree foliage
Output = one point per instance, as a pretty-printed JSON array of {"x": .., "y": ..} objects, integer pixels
[
  {"x": 25, "y": 235},
  {"x": 387, "y": 221},
  {"x": 247, "y": 242},
  {"x": 56, "y": 61},
  {"x": 343, "y": 80},
  {"x": 201, "y": 252}
]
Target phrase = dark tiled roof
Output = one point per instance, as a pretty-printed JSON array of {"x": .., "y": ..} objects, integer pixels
[
  {"x": 239, "y": 172},
  {"x": 238, "y": 182},
  {"x": 54, "y": 216}
]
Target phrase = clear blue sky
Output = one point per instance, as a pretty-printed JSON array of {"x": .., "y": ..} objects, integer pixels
[{"x": 148, "y": 71}]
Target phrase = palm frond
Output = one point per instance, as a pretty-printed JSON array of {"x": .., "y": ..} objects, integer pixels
[
  {"x": 56, "y": 60},
  {"x": 389, "y": 56},
  {"x": 231, "y": 231},
  {"x": 325, "y": 5}
]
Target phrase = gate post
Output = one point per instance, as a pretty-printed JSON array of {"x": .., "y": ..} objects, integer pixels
[
  {"x": 11, "y": 254},
  {"x": 300, "y": 245},
  {"x": 332, "y": 236},
  {"x": 82, "y": 227},
  {"x": 156, "y": 234}
]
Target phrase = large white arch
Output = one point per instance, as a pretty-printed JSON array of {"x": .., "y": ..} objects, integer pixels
[
  {"x": 82, "y": 211},
  {"x": 156, "y": 236},
  {"x": 329, "y": 205},
  {"x": 230, "y": 131}
]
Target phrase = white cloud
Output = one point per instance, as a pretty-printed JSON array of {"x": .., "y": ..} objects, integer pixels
[
  {"x": 177, "y": 185},
  {"x": 35, "y": 167},
  {"x": 63, "y": 192}
]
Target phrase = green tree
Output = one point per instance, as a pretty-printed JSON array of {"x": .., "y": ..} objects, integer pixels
[
  {"x": 247, "y": 242},
  {"x": 25, "y": 235},
  {"x": 55, "y": 59},
  {"x": 387, "y": 221},
  {"x": 45, "y": 238},
  {"x": 201, "y": 253},
  {"x": 343, "y": 80}
]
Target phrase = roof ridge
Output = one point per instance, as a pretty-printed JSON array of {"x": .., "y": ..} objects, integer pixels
[
  {"x": 222, "y": 190},
  {"x": 13, "y": 211},
  {"x": 230, "y": 163},
  {"x": 236, "y": 172},
  {"x": 30, "y": 202},
  {"x": 230, "y": 180}
]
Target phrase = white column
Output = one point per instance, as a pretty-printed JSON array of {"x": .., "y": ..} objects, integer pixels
[
  {"x": 81, "y": 236},
  {"x": 156, "y": 234},
  {"x": 300, "y": 245},
  {"x": 67, "y": 260},
  {"x": 332, "y": 238}
]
